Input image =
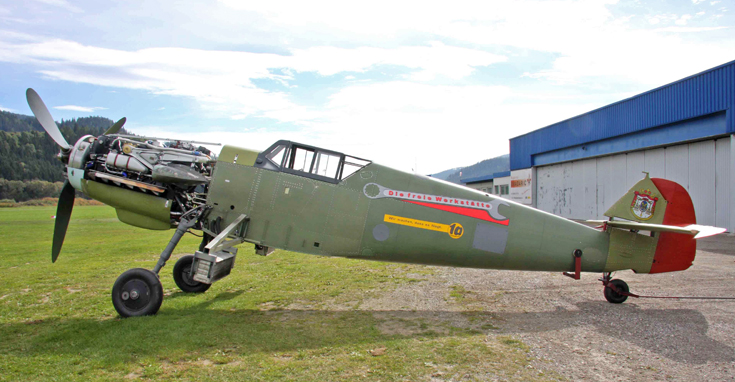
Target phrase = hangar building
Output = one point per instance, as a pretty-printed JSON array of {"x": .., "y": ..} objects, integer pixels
[
  {"x": 497, "y": 183},
  {"x": 682, "y": 131}
]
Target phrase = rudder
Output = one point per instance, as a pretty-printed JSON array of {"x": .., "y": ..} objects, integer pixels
[
  {"x": 675, "y": 251},
  {"x": 663, "y": 202}
]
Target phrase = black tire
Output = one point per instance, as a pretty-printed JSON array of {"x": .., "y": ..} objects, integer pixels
[
  {"x": 137, "y": 292},
  {"x": 182, "y": 276},
  {"x": 614, "y": 297}
]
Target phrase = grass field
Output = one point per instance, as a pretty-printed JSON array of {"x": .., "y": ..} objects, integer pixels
[{"x": 282, "y": 317}]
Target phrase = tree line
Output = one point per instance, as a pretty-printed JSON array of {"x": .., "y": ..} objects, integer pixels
[
  {"x": 21, "y": 191},
  {"x": 29, "y": 168},
  {"x": 28, "y": 153}
]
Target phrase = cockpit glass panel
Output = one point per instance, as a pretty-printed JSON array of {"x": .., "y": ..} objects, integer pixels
[
  {"x": 301, "y": 159},
  {"x": 353, "y": 165},
  {"x": 311, "y": 162},
  {"x": 276, "y": 155},
  {"x": 326, "y": 165}
]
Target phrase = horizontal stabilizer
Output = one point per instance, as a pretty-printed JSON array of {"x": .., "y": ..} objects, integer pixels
[{"x": 699, "y": 231}]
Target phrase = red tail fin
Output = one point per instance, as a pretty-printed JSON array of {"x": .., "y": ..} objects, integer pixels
[{"x": 675, "y": 251}]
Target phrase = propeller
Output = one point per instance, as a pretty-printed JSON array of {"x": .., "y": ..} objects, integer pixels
[
  {"x": 66, "y": 199},
  {"x": 116, "y": 126},
  {"x": 45, "y": 119},
  {"x": 63, "y": 215},
  {"x": 68, "y": 193}
]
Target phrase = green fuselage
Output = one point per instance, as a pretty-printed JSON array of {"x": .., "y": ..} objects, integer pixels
[{"x": 379, "y": 213}]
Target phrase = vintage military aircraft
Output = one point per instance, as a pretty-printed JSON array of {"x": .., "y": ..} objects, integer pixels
[{"x": 311, "y": 200}]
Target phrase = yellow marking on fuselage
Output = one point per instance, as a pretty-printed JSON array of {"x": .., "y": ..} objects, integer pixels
[{"x": 455, "y": 230}]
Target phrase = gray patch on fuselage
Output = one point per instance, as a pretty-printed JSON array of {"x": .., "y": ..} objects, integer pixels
[
  {"x": 490, "y": 238},
  {"x": 381, "y": 232}
]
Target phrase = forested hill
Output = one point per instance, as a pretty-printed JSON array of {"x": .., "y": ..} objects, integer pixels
[
  {"x": 486, "y": 167},
  {"x": 19, "y": 122},
  {"x": 27, "y": 152}
]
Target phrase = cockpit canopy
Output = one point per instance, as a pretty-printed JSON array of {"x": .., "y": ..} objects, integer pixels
[{"x": 309, "y": 161}]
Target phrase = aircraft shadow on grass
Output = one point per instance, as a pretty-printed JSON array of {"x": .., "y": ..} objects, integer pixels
[{"x": 677, "y": 334}]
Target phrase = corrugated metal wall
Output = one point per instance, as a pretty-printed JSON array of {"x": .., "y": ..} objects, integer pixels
[
  {"x": 585, "y": 189},
  {"x": 702, "y": 94}
]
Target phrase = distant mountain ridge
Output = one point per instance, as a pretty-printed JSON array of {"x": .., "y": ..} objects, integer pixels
[
  {"x": 446, "y": 173},
  {"x": 485, "y": 167}
]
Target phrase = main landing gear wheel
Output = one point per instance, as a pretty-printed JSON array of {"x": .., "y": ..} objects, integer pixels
[
  {"x": 182, "y": 276},
  {"x": 137, "y": 292},
  {"x": 611, "y": 294}
]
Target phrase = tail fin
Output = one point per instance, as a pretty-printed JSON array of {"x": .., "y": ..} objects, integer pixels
[{"x": 661, "y": 201}]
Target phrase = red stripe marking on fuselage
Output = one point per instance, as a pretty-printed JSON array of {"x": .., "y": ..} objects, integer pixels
[{"x": 471, "y": 212}]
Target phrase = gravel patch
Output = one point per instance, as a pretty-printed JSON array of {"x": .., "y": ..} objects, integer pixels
[{"x": 570, "y": 328}]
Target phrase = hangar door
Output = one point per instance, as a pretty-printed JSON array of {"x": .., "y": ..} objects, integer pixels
[{"x": 585, "y": 189}]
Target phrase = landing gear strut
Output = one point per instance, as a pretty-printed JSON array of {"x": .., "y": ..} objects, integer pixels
[
  {"x": 138, "y": 292},
  {"x": 616, "y": 291}
]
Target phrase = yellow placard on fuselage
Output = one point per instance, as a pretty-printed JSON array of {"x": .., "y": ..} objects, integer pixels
[{"x": 455, "y": 230}]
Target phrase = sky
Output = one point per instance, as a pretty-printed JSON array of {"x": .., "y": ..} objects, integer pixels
[{"x": 417, "y": 85}]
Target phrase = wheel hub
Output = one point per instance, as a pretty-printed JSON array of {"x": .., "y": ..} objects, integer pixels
[
  {"x": 135, "y": 294},
  {"x": 186, "y": 276}
]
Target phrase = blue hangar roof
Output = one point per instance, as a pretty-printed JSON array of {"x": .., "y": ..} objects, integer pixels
[
  {"x": 696, "y": 107},
  {"x": 485, "y": 178}
]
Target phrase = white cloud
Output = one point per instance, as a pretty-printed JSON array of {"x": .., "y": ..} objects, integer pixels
[
  {"x": 697, "y": 1},
  {"x": 589, "y": 39},
  {"x": 431, "y": 61},
  {"x": 683, "y": 20},
  {"x": 84, "y": 109},
  {"x": 221, "y": 81},
  {"x": 688, "y": 29},
  {"x": 61, "y": 4},
  {"x": 7, "y": 109},
  {"x": 401, "y": 123},
  {"x": 435, "y": 106}
]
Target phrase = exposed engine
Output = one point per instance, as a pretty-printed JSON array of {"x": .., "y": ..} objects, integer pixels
[{"x": 172, "y": 169}]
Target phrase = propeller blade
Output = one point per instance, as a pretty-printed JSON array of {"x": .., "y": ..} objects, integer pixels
[
  {"x": 116, "y": 127},
  {"x": 63, "y": 215},
  {"x": 45, "y": 119}
]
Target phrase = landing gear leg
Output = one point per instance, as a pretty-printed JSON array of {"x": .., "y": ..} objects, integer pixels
[
  {"x": 616, "y": 291},
  {"x": 184, "y": 226},
  {"x": 138, "y": 292},
  {"x": 205, "y": 240}
]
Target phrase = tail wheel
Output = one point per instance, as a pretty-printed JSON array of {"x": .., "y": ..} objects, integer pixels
[
  {"x": 182, "y": 276},
  {"x": 137, "y": 292},
  {"x": 611, "y": 291}
]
